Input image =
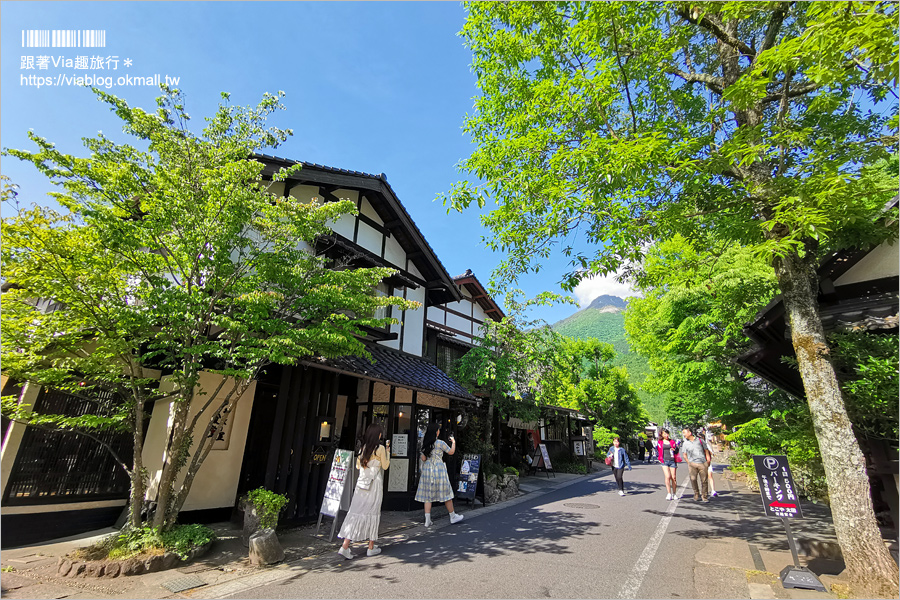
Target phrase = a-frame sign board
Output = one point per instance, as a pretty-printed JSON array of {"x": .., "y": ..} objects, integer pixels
[
  {"x": 541, "y": 460},
  {"x": 337, "y": 492}
]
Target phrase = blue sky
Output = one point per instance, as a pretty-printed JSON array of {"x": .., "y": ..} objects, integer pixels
[{"x": 380, "y": 87}]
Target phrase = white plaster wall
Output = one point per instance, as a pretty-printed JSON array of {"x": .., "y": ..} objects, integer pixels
[
  {"x": 13, "y": 439},
  {"x": 306, "y": 193},
  {"x": 345, "y": 224},
  {"x": 393, "y": 252},
  {"x": 414, "y": 323},
  {"x": 435, "y": 314},
  {"x": 457, "y": 322},
  {"x": 366, "y": 209},
  {"x": 215, "y": 485},
  {"x": 883, "y": 261},
  {"x": 369, "y": 238}
]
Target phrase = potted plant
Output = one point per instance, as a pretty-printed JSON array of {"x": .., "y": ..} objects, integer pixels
[{"x": 261, "y": 510}]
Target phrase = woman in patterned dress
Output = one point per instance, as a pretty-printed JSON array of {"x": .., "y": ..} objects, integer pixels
[
  {"x": 434, "y": 483},
  {"x": 364, "y": 515}
]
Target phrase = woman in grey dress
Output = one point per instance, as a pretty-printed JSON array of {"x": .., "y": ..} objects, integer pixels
[{"x": 364, "y": 515}]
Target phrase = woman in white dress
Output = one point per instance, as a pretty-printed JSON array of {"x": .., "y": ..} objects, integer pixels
[{"x": 364, "y": 515}]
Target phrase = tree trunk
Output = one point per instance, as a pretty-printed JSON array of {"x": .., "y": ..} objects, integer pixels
[{"x": 865, "y": 554}]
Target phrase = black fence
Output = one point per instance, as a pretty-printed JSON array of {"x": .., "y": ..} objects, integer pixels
[{"x": 53, "y": 467}]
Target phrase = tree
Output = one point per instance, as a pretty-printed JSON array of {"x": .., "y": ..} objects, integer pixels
[
  {"x": 621, "y": 124},
  {"x": 689, "y": 324},
  {"x": 584, "y": 377},
  {"x": 174, "y": 259}
]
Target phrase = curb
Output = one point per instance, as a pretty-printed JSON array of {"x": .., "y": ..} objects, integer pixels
[{"x": 288, "y": 570}]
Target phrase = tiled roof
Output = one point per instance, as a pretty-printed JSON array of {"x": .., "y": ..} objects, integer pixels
[{"x": 399, "y": 368}]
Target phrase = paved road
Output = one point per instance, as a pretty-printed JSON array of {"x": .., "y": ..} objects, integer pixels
[{"x": 582, "y": 541}]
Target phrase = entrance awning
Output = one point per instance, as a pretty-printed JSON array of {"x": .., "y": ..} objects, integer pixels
[{"x": 398, "y": 369}]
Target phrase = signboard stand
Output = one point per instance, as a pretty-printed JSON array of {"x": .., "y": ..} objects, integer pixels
[
  {"x": 471, "y": 479},
  {"x": 337, "y": 493},
  {"x": 541, "y": 460},
  {"x": 776, "y": 486}
]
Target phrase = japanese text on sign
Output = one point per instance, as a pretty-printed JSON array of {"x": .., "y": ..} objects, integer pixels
[{"x": 776, "y": 486}]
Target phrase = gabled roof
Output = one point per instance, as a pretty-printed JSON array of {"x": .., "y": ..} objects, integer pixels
[
  {"x": 397, "y": 368},
  {"x": 440, "y": 288},
  {"x": 484, "y": 300},
  {"x": 864, "y": 306}
]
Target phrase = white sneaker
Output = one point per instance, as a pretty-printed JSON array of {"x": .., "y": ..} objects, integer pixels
[
  {"x": 345, "y": 552},
  {"x": 456, "y": 518},
  {"x": 427, "y": 520},
  {"x": 374, "y": 551},
  {"x": 668, "y": 496},
  {"x": 714, "y": 494},
  {"x": 621, "y": 493}
]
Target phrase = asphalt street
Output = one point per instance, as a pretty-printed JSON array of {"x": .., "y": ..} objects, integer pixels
[{"x": 582, "y": 541}]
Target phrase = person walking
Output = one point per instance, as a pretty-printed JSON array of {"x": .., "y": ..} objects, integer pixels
[
  {"x": 698, "y": 458},
  {"x": 434, "y": 483},
  {"x": 641, "y": 449},
  {"x": 619, "y": 460},
  {"x": 667, "y": 454},
  {"x": 364, "y": 514}
]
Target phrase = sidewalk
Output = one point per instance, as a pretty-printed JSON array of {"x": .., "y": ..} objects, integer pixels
[
  {"x": 749, "y": 552},
  {"x": 31, "y": 572}
]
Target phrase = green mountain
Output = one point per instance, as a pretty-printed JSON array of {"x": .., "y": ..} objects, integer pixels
[{"x": 604, "y": 320}]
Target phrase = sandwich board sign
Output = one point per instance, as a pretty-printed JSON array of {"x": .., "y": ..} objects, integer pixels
[
  {"x": 337, "y": 492},
  {"x": 468, "y": 477}
]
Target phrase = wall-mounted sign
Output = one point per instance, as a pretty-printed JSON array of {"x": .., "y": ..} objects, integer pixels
[
  {"x": 220, "y": 427},
  {"x": 579, "y": 448},
  {"x": 337, "y": 478},
  {"x": 776, "y": 486},
  {"x": 399, "y": 444},
  {"x": 319, "y": 455},
  {"x": 398, "y": 475}
]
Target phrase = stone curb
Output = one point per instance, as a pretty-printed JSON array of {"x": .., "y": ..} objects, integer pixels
[
  {"x": 110, "y": 569},
  {"x": 289, "y": 569}
]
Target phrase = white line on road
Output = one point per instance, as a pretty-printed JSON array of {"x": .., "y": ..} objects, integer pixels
[{"x": 634, "y": 581}]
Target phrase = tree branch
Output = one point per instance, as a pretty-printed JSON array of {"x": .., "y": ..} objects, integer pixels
[
  {"x": 715, "y": 84},
  {"x": 800, "y": 90},
  {"x": 624, "y": 77},
  {"x": 715, "y": 27},
  {"x": 778, "y": 16}
]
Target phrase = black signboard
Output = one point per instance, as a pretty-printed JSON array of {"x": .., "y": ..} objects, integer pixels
[
  {"x": 776, "y": 486},
  {"x": 468, "y": 476}
]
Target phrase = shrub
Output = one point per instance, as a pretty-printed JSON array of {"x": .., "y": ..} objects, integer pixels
[
  {"x": 511, "y": 471},
  {"x": 146, "y": 540},
  {"x": 268, "y": 505},
  {"x": 569, "y": 466}
]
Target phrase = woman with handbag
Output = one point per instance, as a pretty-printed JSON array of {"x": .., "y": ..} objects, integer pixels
[
  {"x": 434, "y": 483},
  {"x": 618, "y": 459},
  {"x": 667, "y": 452},
  {"x": 364, "y": 515}
]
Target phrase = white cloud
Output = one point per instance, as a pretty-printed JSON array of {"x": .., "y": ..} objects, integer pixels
[{"x": 599, "y": 285}]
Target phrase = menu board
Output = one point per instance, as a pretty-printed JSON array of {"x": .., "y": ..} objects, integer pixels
[
  {"x": 399, "y": 444},
  {"x": 398, "y": 475},
  {"x": 468, "y": 476},
  {"x": 334, "y": 490},
  {"x": 546, "y": 456}
]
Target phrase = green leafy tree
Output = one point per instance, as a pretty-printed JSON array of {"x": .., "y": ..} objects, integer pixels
[
  {"x": 689, "y": 324},
  {"x": 583, "y": 376},
  {"x": 620, "y": 124},
  {"x": 171, "y": 256}
]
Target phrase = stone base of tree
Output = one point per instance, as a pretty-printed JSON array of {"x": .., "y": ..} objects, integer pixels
[
  {"x": 66, "y": 567},
  {"x": 251, "y": 525},
  {"x": 500, "y": 488},
  {"x": 265, "y": 549}
]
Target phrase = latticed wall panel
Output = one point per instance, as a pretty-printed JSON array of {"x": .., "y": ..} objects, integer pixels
[{"x": 53, "y": 467}]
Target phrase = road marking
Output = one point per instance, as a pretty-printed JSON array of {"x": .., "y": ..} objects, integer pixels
[{"x": 645, "y": 559}]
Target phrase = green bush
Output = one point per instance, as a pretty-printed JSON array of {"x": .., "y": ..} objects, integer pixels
[
  {"x": 511, "y": 471},
  {"x": 569, "y": 466},
  {"x": 268, "y": 505},
  {"x": 146, "y": 540}
]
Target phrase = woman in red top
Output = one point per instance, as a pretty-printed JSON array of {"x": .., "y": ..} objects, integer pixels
[{"x": 667, "y": 452}]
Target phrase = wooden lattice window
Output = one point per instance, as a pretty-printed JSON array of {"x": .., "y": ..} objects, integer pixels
[{"x": 55, "y": 467}]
